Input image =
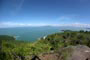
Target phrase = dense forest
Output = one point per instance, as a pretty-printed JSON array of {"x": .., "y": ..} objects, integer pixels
[{"x": 11, "y": 49}]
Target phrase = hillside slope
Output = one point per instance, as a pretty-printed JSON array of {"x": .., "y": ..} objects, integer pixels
[{"x": 18, "y": 50}]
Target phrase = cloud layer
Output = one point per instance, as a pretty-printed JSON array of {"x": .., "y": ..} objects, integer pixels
[
  {"x": 13, "y": 24},
  {"x": 76, "y": 25}
]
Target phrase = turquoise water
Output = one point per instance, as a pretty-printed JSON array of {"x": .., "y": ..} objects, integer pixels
[{"x": 32, "y": 33}]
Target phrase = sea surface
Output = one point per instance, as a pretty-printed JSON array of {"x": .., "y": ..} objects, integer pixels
[{"x": 33, "y": 33}]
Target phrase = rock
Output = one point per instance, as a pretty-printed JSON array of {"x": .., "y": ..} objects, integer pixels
[
  {"x": 49, "y": 56},
  {"x": 79, "y": 52},
  {"x": 35, "y": 58}
]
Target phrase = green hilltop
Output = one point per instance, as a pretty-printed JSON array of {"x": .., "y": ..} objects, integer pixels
[{"x": 11, "y": 49}]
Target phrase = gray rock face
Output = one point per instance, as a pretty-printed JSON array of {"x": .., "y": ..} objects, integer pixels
[
  {"x": 49, "y": 56},
  {"x": 79, "y": 52}
]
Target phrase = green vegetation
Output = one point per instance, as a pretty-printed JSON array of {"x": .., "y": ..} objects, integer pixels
[
  {"x": 11, "y": 49},
  {"x": 67, "y": 38},
  {"x": 6, "y": 37}
]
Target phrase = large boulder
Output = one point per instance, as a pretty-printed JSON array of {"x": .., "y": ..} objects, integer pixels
[{"x": 79, "y": 52}]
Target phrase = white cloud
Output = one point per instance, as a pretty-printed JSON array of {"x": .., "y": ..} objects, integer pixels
[
  {"x": 20, "y": 5},
  {"x": 76, "y": 25},
  {"x": 17, "y": 7},
  {"x": 69, "y": 20},
  {"x": 17, "y": 24},
  {"x": 68, "y": 17},
  {"x": 64, "y": 18},
  {"x": 13, "y": 24},
  {"x": 83, "y": 0}
]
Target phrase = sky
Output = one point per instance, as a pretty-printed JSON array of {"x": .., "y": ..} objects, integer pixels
[{"x": 18, "y": 13}]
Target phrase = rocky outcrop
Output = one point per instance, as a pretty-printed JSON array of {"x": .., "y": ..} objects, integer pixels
[{"x": 79, "y": 52}]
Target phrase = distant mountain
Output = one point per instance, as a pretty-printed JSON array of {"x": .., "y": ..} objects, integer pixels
[{"x": 87, "y": 28}]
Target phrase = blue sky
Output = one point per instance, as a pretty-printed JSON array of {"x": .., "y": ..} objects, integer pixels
[{"x": 44, "y": 12}]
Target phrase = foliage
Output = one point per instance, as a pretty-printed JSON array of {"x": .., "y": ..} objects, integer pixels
[{"x": 11, "y": 49}]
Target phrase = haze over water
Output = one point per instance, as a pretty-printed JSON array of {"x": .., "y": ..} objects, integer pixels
[{"x": 33, "y": 33}]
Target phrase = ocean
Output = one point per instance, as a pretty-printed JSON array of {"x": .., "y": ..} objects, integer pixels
[{"x": 33, "y": 33}]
